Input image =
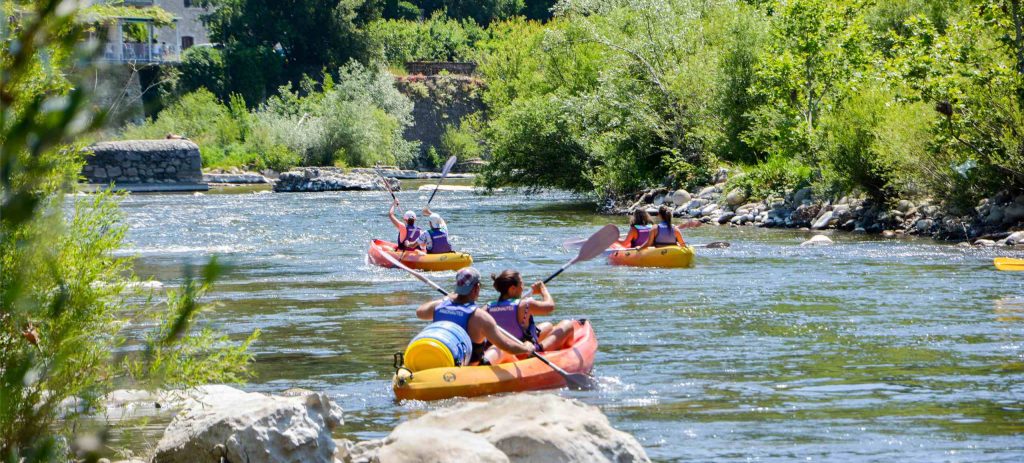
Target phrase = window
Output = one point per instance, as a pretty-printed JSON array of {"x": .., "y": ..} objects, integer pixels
[
  {"x": 191, "y": 3},
  {"x": 187, "y": 42}
]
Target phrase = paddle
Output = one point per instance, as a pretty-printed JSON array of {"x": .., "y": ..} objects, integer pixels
[
  {"x": 593, "y": 247},
  {"x": 387, "y": 185},
  {"x": 1009, "y": 264},
  {"x": 444, "y": 173}
]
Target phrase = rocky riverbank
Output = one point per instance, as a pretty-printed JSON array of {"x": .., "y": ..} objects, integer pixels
[
  {"x": 221, "y": 423},
  {"x": 330, "y": 179},
  {"x": 994, "y": 221}
]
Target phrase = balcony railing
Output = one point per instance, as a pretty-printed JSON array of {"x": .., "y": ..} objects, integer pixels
[{"x": 141, "y": 53}]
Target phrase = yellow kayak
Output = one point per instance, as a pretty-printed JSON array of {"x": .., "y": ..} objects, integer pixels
[
  {"x": 664, "y": 257},
  {"x": 1009, "y": 264},
  {"x": 418, "y": 259}
]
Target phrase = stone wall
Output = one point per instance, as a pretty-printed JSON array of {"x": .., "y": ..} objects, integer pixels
[
  {"x": 438, "y": 101},
  {"x": 144, "y": 162}
]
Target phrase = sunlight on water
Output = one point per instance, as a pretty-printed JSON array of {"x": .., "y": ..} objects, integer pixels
[{"x": 868, "y": 350}]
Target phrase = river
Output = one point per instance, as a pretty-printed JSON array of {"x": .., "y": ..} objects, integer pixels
[{"x": 866, "y": 351}]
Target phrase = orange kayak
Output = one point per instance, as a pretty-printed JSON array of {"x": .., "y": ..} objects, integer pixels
[
  {"x": 514, "y": 375},
  {"x": 418, "y": 260},
  {"x": 664, "y": 257}
]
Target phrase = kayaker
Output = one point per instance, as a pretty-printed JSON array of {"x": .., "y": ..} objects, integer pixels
[
  {"x": 639, "y": 230},
  {"x": 515, "y": 315},
  {"x": 463, "y": 311},
  {"x": 435, "y": 240},
  {"x": 665, "y": 234},
  {"x": 408, "y": 233}
]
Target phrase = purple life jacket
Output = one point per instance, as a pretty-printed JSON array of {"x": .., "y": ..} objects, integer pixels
[
  {"x": 438, "y": 242},
  {"x": 643, "y": 232},
  {"x": 506, "y": 315},
  {"x": 666, "y": 235},
  {"x": 412, "y": 233}
]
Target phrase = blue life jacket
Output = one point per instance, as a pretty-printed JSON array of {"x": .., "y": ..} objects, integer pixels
[
  {"x": 666, "y": 235},
  {"x": 438, "y": 242},
  {"x": 506, "y": 315},
  {"x": 643, "y": 232},
  {"x": 412, "y": 233},
  {"x": 449, "y": 311}
]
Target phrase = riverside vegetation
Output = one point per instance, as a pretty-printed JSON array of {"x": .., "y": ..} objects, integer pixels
[
  {"x": 64, "y": 295},
  {"x": 906, "y": 99}
]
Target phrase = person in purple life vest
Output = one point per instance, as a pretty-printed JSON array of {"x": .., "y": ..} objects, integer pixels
[
  {"x": 515, "y": 315},
  {"x": 435, "y": 240},
  {"x": 664, "y": 234},
  {"x": 463, "y": 311},
  {"x": 639, "y": 235},
  {"x": 408, "y": 233}
]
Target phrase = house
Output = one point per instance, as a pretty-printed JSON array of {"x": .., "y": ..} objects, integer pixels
[{"x": 143, "y": 38}]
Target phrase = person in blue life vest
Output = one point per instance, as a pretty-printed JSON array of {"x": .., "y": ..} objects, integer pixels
[
  {"x": 462, "y": 310},
  {"x": 639, "y": 235},
  {"x": 515, "y": 315},
  {"x": 664, "y": 234},
  {"x": 408, "y": 233},
  {"x": 435, "y": 239}
]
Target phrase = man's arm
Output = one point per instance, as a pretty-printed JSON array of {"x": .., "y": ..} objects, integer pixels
[{"x": 426, "y": 311}]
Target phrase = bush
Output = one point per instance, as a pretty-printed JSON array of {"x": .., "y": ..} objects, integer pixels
[
  {"x": 203, "y": 67},
  {"x": 773, "y": 177},
  {"x": 438, "y": 38},
  {"x": 462, "y": 142}
]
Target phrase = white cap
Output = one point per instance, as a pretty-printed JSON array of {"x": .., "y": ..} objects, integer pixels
[
  {"x": 435, "y": 220},
  {"x": 409, "y": 215}
]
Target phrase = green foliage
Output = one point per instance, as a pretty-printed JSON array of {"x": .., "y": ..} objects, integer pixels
[
  {"x": 62, "y": 289},
  {"x": 438, "y": 38},
  {"x": 773, "y": 177},
  {"x": 203, "y": 67},
  {"x": 461, "y": 141}
]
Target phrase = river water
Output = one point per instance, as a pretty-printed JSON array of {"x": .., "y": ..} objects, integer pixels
[{"x": 865, "y": 351}]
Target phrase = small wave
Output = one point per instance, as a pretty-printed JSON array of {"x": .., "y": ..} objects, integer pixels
[{"x": 163, "y": 250}]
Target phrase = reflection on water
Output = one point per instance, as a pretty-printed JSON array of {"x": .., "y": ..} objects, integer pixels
[{"x": 868, "y": 350}]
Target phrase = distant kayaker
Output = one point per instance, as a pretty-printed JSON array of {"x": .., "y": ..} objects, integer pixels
[
  {"x": 408, "y": 233},
  {"x": 435, "y": 240},
  {"x": 639, "y": 230},
  {"x": 665, "y": 234},
  {"x": 515, "y": 315},
  {"x": 463, "y": 311}
]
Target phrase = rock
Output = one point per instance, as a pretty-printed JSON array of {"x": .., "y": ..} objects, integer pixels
[
  {"x": 251, "y": 427},
  {"x": 722, "y": 175},
  {"x": 1019, "y": 199},
  {"x": 709, "y": 209},
  {"x": 995, "y": 215},
  {"x": 680, "y": 197},
  {"x": 859, "y": 230},
  {"x": 924, "y": 225},
  {"x": 822, "y": 221},
  {"x": 708, "y": 192},
  {"x": 1015, "y": 238},
  {"x": 519, "y": 428},
  {"x": 736, "y": 197},
  {"x": 817, "y": 240},
  {"x": 726, "y": 217},
  {"x": 244, "y": 178},
  {"x": 984, "y": 243},
  {"x": 801, "y": 195},
  {"x": 696, "y": 203},
  {"x": 904, "y": 206},
  {"x": 1013, "y": 213},
  {"x": 888, "y": 234},
  {"x": 330, "y": 179}
]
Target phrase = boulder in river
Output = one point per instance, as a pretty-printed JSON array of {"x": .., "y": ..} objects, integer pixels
[
  {"x": 817, "y": 240},
  {"x": 224, "y": 422},
  {"x": 822, "y": 221},
  {"x": 330, "y": 179},
  {"x": 514, "y": 428}
]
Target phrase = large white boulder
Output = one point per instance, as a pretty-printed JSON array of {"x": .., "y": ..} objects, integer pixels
[
  {"x": 514, "y": 428},
  {"x": 222, "y": 421}
]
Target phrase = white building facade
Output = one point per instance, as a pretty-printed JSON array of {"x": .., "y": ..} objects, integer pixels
[{"x": 136, "y": 39}]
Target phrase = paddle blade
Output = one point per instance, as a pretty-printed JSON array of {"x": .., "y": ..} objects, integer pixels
[
  {"x": 448, "y": 165},
  {"x": 597, "y": 243},
  {"x": 1009, "y": 265},
  {"x": 574, "y": 243},
  {"x": 580, "y": 382},
  {"x": 419, "y": 276}
]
